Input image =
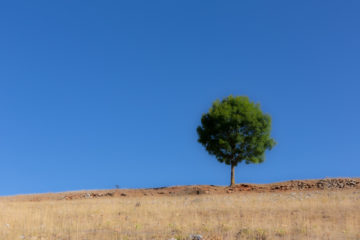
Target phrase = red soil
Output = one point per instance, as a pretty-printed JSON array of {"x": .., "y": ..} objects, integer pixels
[{"x": 293, "y": 185}]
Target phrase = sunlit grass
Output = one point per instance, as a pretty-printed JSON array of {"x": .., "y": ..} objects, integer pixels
[{"x": 290, "y": 215}]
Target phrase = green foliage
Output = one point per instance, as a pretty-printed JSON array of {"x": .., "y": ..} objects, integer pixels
[{"x": 236, "y": 130}]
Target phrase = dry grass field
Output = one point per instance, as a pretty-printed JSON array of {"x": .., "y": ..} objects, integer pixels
[{"x": 324, "y": 214}]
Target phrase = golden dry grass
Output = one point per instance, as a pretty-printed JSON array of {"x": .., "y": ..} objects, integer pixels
[{"x": 288, "y": 215}]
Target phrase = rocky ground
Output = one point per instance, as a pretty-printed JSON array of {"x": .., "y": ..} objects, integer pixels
[{"x": 293, "y": 185}]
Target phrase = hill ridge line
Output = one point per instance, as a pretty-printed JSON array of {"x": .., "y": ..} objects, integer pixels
[{"x": 179, "y": 190}]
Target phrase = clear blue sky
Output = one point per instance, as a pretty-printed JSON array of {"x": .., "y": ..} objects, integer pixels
[{"x": 99, "y": 93}]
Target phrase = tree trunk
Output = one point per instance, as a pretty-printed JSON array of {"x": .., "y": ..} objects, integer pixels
[{"x": 232, "y": 175}]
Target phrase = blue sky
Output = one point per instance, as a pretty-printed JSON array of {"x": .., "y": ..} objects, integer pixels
[{"x": 95, "y": 94}]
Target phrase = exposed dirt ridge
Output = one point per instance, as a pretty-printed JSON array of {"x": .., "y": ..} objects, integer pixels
[{"x": 293, "y": 185}]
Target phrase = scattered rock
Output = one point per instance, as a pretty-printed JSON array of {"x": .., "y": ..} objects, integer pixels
[
  {"x": 196, "y": 237},
  {"x": 336, "y": 183},
  {"x": 96, "y": 195},
  {"x": 68, "y": 197}
]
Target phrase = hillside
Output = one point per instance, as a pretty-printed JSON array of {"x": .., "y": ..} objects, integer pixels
[
  {"x": 293, "y": 185},
  {"x": 306, "y": 209}
]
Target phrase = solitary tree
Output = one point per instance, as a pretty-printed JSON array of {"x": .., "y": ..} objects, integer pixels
[{"x": 236, "y": 130}]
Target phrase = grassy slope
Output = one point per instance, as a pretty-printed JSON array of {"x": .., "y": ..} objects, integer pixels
[{"x": 325, "y": 214}]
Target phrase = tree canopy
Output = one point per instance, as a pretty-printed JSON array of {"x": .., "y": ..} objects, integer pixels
[{"x": 236, "y": 130}]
